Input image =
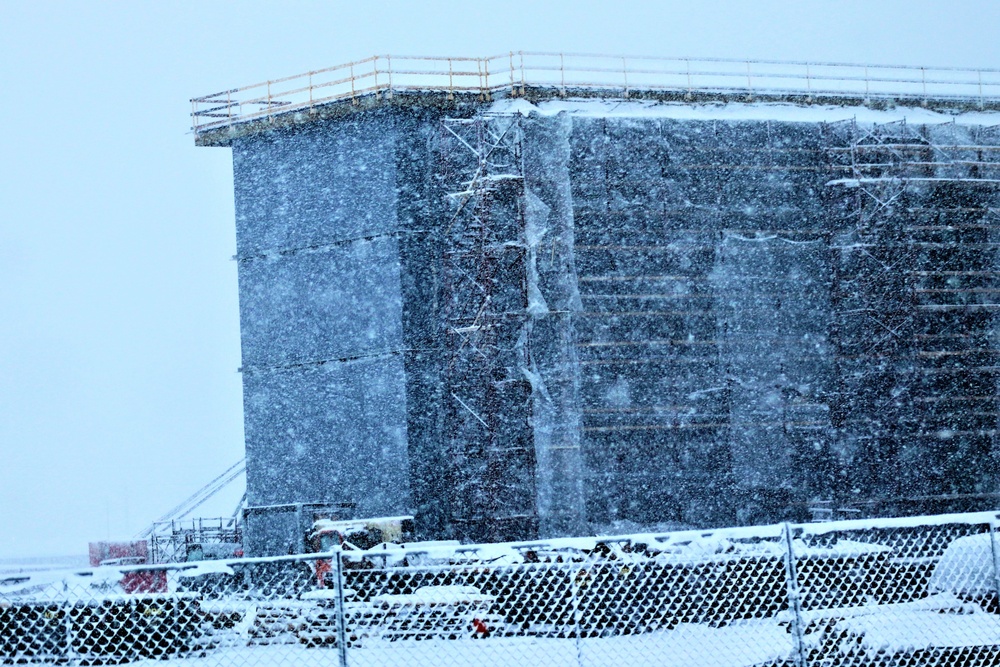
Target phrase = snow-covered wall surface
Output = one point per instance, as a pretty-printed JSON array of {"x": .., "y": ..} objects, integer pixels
[
  {"x": 710, "y": 314},
  {"x": 321, "y": 318}
]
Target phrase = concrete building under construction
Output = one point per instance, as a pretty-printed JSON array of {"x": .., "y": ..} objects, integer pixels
[{"x": 537, "y": 296}]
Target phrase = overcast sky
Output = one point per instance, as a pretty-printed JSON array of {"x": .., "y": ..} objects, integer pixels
[{"x": 119, "y": 327}]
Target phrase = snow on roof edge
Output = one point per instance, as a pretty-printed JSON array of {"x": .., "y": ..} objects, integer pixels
[{"x": 777, "y": 111}]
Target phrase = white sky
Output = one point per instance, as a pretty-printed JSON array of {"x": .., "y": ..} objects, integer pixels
[{"x": 119, "y": 329}]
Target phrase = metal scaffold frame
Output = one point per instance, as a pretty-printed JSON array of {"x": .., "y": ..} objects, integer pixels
[
  {"x": 195, "y": 539},
  {"x": 484, "y": 297},
  {"x": 173, "y": 535},
  {"x": 911, "y": 289}
]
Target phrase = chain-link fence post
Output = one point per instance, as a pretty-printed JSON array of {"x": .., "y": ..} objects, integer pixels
[
  {"x": 339, "y": 610},
  {"x": 995, "y": 552},
  {"x": 794, "y": 600},
  {"x": 574, "y": 586}
]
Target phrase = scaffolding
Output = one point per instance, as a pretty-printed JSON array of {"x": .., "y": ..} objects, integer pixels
[
  {"x": 883, "y": 159},
  {"x": 484, "y": 298},
  {"x": 915, "y": 287},
  {"x": 174, "y": 538},
  {"x": 196, "y": 539}
]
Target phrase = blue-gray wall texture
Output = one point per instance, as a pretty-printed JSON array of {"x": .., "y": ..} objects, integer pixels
[{"x": 703, "y": 322}]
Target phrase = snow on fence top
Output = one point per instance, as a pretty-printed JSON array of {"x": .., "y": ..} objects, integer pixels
[{"x": 573, "y": 74}]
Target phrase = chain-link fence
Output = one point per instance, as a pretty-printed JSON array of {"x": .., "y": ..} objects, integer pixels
[{"x": 882, "y": 592}]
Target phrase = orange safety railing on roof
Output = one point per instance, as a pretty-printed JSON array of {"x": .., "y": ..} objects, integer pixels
[{"x": 572, "y": 73}]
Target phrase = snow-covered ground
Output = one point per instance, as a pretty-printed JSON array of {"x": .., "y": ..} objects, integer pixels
[
  {"x": 20, "y": 566},
  {"x": 742, "y": 645}
]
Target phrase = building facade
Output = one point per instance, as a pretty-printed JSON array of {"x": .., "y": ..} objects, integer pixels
[{"x": 518, "y": 320}]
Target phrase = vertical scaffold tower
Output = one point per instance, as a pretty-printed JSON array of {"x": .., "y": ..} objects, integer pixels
[{"x": 484, "y": 296}]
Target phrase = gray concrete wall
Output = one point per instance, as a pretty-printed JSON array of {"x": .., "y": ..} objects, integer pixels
[
  {"x": 420, "y": 214},
  {"x": 321, "y": 316}
]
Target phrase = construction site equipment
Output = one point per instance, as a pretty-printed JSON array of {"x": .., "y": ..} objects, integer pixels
[
  {"x": 175, "y": 537},
  {"x": 359, "y": 534}
]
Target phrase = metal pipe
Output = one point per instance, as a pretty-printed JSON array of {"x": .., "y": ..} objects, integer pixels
[
  {"x": 341, "y": 616},
  {"x": 486, "y": 69},
  {"x": 577, "y": 615},
  {"x": 794, "y": 600},
  {"x": 995, "y": 552},
  {"x": 513, "y": 90},
  {"x": 521, "y": 54},
  {"x": 562, "y": 75}
]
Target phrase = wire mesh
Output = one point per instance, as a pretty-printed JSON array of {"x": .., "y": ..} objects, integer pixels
[
  {"x": 899, "y": 594},
  {"x": 880, "y": 592}
]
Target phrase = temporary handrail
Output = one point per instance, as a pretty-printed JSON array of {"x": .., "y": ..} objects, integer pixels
[{"x": 616, "y": 76}]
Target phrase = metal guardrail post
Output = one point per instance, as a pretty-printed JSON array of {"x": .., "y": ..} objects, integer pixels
[
  {"x": 487, "y": 89},
  {"x": 562, "y": 76},
  {"x": 341, "y": 615},
  {"x": 388, "y": 67},
  {"x": 522, "y": 73},
  {"x": 749, "y": 84},
  {"x": 513, "y": 88},
  {"x": 482, "y": 82},
  {"x": 794, "y": 599}
]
